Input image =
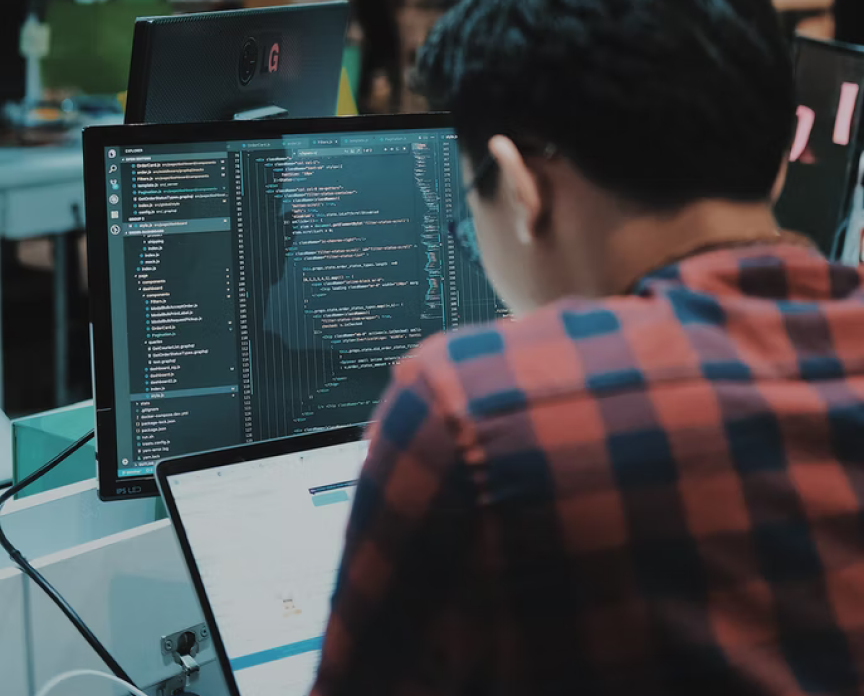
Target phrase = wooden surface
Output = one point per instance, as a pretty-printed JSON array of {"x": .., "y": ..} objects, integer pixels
[
  {"x": 803, "y": 5},
  {"x": 821, "y": 27}
]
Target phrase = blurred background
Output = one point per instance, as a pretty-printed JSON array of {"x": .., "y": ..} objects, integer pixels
[{"x": 82, "y": 49}]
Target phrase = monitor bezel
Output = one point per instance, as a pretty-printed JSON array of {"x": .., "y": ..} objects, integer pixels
[
  {"x": 96, "y": 139},
  {"x": 227, "y": 457},
  {"x": 830, "y": 44}
]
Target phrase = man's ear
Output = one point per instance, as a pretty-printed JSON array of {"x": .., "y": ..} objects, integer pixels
[
  {"x": 780, "y": 181},
  {"x": 519, "y": 187}
]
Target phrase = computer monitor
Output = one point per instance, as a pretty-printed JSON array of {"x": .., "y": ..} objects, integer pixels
[
  {"x": 258, "y": 279},
  {"x": 262, "y": 529},
  {"x": 825, "y": 149},
  {"x": 222, "y": 65}
]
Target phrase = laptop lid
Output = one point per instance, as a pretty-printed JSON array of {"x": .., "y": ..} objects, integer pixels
[{"x": 261, "y": 528}]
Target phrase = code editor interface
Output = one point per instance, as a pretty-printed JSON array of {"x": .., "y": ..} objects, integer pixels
[{"x": 265, "y": 288}]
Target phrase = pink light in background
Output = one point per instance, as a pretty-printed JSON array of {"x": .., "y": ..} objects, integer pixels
[
  {"x": 806, "y": 119},
  {"x": 845, "y": 113}
]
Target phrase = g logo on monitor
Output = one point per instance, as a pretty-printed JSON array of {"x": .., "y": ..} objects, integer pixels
[{"x": 273, "y": 64}]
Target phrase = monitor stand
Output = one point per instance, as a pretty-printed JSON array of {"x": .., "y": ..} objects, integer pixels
[{"x": 263, "y": 112}]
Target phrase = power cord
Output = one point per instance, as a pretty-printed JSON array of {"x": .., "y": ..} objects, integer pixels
[
  {"x": 19, "y": 560},
  {"x": 66, "y": 676}
]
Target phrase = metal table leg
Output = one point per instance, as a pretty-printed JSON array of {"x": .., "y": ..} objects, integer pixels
[{"x": 61, "y": 319}]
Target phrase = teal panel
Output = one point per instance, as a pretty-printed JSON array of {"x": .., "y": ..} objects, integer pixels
[
  {"x": 38, "y": 439},
  {"x": 329, "y": 498}
]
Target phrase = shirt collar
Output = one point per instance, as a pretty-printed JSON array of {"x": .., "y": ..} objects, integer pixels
[{"x": 727, "y": 259}]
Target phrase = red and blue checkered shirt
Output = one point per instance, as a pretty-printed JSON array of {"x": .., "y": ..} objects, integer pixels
[{"x": 653, "y": 494}]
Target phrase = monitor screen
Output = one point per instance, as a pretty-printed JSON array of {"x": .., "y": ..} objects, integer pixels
[
  {"x": 268, "y": 569},
  {"x": 829, "y": 79},
  {"x": 265, "y": 287}
]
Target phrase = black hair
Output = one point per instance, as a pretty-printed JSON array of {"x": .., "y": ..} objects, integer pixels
[{"x": 662, "y": 102}]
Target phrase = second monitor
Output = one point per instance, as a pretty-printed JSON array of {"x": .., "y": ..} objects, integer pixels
[
  {"x": 257, "y": 280},
  {"x": 213, "y": 66}
]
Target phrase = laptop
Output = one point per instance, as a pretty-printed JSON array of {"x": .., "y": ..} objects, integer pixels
[{"x": 262, "y": 529}]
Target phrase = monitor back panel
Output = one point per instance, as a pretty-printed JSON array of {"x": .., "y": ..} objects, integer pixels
[
  {"x": 830, "y": 78},
  {"x": 213, "y": 66}
]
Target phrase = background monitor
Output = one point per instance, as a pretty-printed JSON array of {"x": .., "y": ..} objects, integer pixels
[
  {"x": 830, "y": 77},
  {"x": 221, "y": 65},
  {"x": 254, "y": 280}
]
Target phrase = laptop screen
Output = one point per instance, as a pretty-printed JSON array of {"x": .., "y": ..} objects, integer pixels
[{"x": 266, "y": 538}]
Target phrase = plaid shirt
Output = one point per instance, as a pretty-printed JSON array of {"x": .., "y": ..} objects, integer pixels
[{"x": 653, "y": 494}]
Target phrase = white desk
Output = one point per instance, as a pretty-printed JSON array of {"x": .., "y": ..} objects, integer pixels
[
  {"x": 42, "y": 194},
  {"x": 122, "y": 572}
]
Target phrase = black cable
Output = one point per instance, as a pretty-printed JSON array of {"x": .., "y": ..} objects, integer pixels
[
  {"x": 19, "y": 560},
  {"x": 838, "y": 235}
]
